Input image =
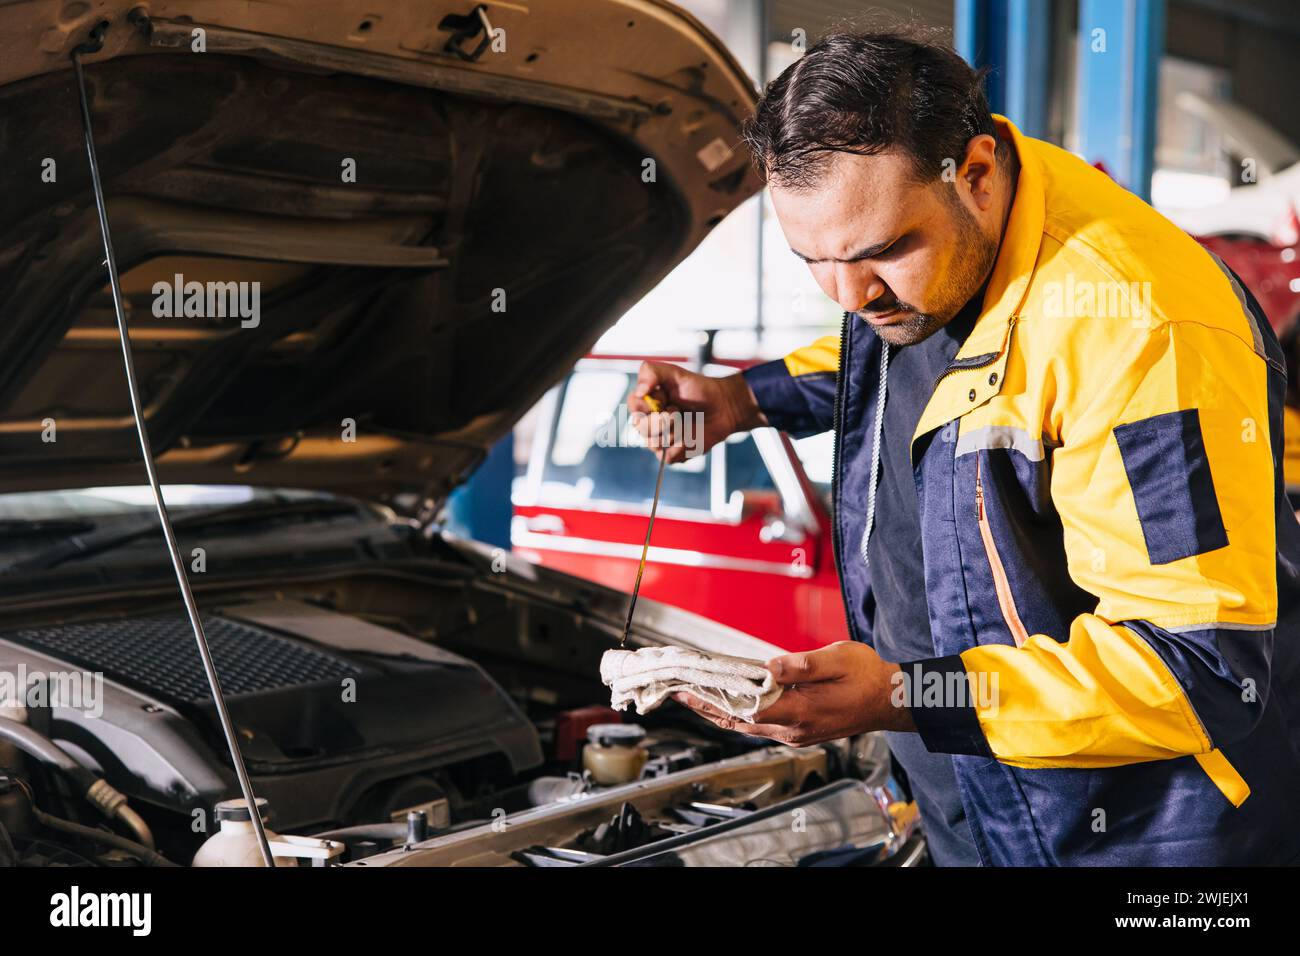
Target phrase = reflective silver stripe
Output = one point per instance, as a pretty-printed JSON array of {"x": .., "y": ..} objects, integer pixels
[
  {"x": 1001, "y": 436},
  {"x": 1257, "y": 339},
  {"x": 1217, "y": 626}
]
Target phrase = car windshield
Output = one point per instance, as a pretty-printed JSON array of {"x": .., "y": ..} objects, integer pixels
[{"x": 93, "y": 504}]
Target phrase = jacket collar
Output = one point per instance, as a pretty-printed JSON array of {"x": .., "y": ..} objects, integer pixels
[
  {"x": 977, "y": 372},
  {"x": 1018, "y": 253}
]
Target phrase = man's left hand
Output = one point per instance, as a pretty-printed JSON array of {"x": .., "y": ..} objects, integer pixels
[{"x": 835, "y": 691}]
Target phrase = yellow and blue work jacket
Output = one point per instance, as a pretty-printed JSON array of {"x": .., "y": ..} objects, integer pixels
[{"x": 1111, "y": 566}]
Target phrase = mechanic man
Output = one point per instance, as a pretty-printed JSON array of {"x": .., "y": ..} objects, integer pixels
[{"x": 1069, "y": 566}]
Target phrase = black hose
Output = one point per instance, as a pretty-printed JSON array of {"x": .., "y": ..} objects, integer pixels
[
  {"x": 138, "y": 850},
  {"x": 98, "y": 792},
  {"x": 37, "y": 745}
]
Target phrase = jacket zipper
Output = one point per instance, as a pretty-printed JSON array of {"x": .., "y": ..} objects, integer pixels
[
  {"x": 840, "y": 386},
  {"x": 1006, "y": 601},
  {"x": 993, "y": 357}
]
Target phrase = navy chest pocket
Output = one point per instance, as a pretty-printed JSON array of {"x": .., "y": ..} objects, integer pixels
[{"x": 1169, "y": 474}]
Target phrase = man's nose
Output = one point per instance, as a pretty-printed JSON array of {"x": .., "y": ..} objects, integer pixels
[{"x": 856, "y": 286}]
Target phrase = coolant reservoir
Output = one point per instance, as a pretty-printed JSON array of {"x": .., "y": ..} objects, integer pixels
[
  {"x": 615, "y": 753},
  {"x": 235, "y": 842}
]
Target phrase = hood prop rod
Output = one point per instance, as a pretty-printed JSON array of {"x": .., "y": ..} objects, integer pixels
[{"x": 95, "y": 44}]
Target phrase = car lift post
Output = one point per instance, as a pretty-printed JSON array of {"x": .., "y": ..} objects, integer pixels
[
  {"x": 1118, "y": 48},
  {"x": 1012, "y": 38},
  {"x": 1120, "y": 42}
]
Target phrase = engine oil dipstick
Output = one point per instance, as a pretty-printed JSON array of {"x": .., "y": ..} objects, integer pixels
[{"x": 656, "y": 407}]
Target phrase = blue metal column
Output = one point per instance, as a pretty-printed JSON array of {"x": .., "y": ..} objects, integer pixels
[
  {"x": 481, "y": 508},
  {"x": 1013, "y": 38},
  {"x": 1120, "y": 43}
]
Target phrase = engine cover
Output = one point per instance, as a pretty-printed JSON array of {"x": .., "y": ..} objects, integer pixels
[{"x": 327, "y": 707}]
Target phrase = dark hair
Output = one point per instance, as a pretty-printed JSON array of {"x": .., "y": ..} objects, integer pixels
[{"x": 866, "y": 93}]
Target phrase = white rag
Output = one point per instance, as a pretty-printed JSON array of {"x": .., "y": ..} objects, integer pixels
[{"x": 736, "y": 685}]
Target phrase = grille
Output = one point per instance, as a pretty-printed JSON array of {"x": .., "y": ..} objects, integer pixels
[{"x": 158, "y": 655}]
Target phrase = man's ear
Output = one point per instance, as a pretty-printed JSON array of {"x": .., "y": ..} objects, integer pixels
[{"x": 980, "y": 169}]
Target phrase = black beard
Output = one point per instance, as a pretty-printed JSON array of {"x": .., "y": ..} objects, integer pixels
[
  {"x": 966, "y": 278},
  {"x": 913, "y": 327}
]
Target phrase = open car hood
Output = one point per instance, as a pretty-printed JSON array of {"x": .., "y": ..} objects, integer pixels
[{"x": 506, "y": 209}]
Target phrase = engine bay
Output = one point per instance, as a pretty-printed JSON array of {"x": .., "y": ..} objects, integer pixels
[{"x": 398, "y": 718}]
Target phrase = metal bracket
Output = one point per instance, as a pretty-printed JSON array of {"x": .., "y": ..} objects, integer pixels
[
  {"x": 94, "y": 43},
  {"x": 465, "y": 28}
]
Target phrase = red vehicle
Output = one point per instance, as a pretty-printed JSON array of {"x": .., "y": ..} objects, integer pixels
[{"x": 742, "y": 535}]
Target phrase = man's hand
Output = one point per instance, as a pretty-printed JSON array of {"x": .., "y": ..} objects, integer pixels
[
  {"x": 725, "y": 405},
  {"x": 835, "y": 691}
]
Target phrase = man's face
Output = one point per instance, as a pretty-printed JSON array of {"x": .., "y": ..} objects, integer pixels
[{"x": 903, "y": 255}]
